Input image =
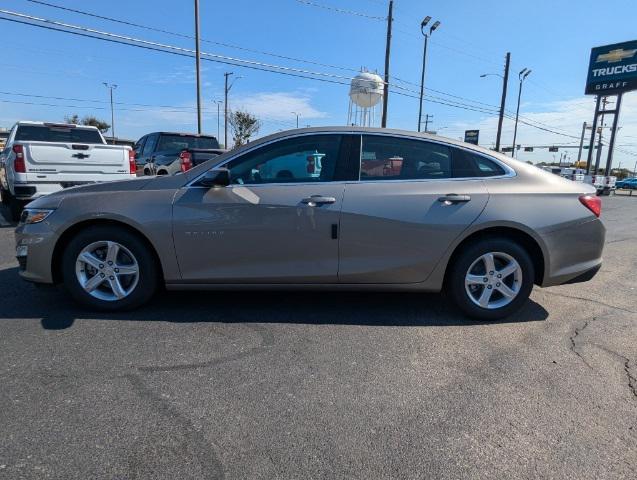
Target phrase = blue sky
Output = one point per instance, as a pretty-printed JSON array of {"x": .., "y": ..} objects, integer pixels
[{"x": 553, "y": 38}]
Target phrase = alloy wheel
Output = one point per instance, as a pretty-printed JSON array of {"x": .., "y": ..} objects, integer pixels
[
  {"x": 107, "y": 270},
  {"x": 493, "y": 280}
]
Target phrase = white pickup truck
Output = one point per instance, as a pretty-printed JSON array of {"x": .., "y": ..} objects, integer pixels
[{"x": 41, "y": 158}]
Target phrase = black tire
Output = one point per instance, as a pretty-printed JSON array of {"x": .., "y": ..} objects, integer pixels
[
  {"x": 5, "y": 196},
  {"x": 15, "y": 208},
  {"x": 148, "y": 269},
  {"x": 466, "y": 258}
]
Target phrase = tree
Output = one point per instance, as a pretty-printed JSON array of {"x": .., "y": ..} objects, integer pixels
[
  {"x": 74, "y": 119},
  {"x": 244, "y": 125},
  {"x": 88, "y": 120}
]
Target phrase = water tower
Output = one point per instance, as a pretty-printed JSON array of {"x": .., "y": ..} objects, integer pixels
[{"x": 365, "y": 92}]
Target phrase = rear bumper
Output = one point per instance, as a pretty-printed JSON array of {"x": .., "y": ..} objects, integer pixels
[
  {"x": 575, "y": 252},
  {"x": 586, "y": 276}
]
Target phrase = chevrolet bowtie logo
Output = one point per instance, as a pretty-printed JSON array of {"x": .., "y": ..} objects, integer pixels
[{"x": 615, "y": 56}]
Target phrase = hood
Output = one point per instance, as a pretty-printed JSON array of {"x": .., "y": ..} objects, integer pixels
[{"x": 53, "y": 200}]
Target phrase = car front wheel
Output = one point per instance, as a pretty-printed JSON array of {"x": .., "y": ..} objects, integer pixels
[
  {"x": 491, "y": 279},
  {"x": 109, "y": 268}
]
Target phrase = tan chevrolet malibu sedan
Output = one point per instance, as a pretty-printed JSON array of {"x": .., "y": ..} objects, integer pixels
[{"x": 329, "y": 208}]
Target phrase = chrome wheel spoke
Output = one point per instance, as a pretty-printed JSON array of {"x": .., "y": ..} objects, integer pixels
[
  {"x": 90, "y": 259},
  {"x": 126, "y": 269},
  {"x": 506, "y": 291},
  {"x": 111, "y": 252},
  {"x": 485, "y": 297},
  {"x": 474, "y": 279},
  {"x": 116, "y": 287},
  {"x": 489, "y": 262},
  {"x": 508, "y": 270},
  {"x": 93, "y": 282}
]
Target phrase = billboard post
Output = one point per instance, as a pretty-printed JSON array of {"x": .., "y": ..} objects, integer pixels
[{"x": 612, "y": 70}]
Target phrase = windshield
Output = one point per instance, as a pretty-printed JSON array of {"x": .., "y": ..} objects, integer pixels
[
  {"x": 44, "y": 133},
  {"x": 182, "y": 142}
]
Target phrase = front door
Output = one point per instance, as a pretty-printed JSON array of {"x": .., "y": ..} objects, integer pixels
[
  {"x": 277, "y": 223},
  {"x": 406, "y": 210}
]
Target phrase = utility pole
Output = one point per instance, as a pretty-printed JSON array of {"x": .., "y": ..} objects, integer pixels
[
  {"x": 218, "y": 102},
  {"x": 522, "y": 76},
  {"x": 111, "y": 87},
  {"x": 225, "y": 106},
  {"x": 581, "y": 143},
  {"x": 390, "y": 20},
  {"x": 505, "y": 82},
  {"x": 427, "y": 122},
  {"x": 198, "y": 67}
]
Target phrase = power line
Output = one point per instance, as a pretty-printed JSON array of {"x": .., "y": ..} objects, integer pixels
[
  {"x": 190, "y": 37},
  {"x": 155, "y": 46},
  {"x": 341, "y": 10}
]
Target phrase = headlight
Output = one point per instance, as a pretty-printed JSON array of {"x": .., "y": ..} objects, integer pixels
[{"x": 34, "y": 215}]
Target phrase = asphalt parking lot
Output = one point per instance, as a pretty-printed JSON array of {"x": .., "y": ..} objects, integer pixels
[{"x": 323, "y": 385}]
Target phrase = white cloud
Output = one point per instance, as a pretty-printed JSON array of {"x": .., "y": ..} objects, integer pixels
[{"x": 278, "y": 105}]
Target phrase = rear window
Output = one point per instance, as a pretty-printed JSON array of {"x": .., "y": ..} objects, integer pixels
[
  {"x": 467, "y": 164},
  {"x": 44, "y": 133},
  {"x": 176, "y": 143}
]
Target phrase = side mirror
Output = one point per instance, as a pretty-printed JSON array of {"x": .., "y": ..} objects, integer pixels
[{"x": 217, "y": 177}]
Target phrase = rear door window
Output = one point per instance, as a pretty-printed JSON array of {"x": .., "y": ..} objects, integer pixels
[
  {"x": 394, "y": 158},
  {"x": 52, "y": 133},
  {"x": 467, "y": 164}
]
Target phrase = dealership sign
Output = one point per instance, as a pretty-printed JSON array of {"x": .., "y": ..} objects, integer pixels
[
  {"x": 612, "y": 69},
  {"x": 471, "y": 136}
]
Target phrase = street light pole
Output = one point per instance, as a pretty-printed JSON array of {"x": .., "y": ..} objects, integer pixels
[
  {"x": 522, "y": 76},
  {"x": 111, "y": 87},
  {"x": 198, "y": 67},
  {"x": 423, "y": 24},
  {"x": 226, "y": 91},
  {"x": 297, "y": 119}
]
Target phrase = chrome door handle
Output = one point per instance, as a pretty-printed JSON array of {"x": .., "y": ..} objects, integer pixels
[
  {"x": 452, "y": 198},
  {"x": 315, "y": 200}
]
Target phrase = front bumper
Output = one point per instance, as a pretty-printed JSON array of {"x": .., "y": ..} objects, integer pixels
[
  {"x": 35, "y": 244},
  {"x": 574, "y": 252}
]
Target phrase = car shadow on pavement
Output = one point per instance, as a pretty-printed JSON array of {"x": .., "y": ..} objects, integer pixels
[{"x": 58, "y": 311}]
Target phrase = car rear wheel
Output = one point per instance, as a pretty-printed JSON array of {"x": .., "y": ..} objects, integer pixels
[
  {"x": 491, "y": 279},
  {"x": 15, "y": 207},
  {"x": 109, "y": 268}
]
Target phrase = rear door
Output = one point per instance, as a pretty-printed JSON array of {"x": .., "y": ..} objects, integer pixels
[{"x": 410, "y": 204}]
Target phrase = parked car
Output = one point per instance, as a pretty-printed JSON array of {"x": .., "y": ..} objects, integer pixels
[
  {"x": 390, "y": 210},
  {"x": 168, "y": 153},
  {"x": 41, "y": 158},
  {"x": 628, "y": 183}
]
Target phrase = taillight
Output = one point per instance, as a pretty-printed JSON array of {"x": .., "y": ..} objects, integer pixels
[
  {"x": 593, "y": 203},
  {"x": 132, "y": 167},
  {"x": 185, "y": 159},
  {"x": 18, "y": 164}
]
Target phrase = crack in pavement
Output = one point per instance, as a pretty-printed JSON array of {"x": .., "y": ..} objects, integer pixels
[
  {"x": 191, "y": 443},
  {"x": 598, "y": 302},
  {"x": 573, "y": 338},
  {"x": 632, "y": 380}
]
